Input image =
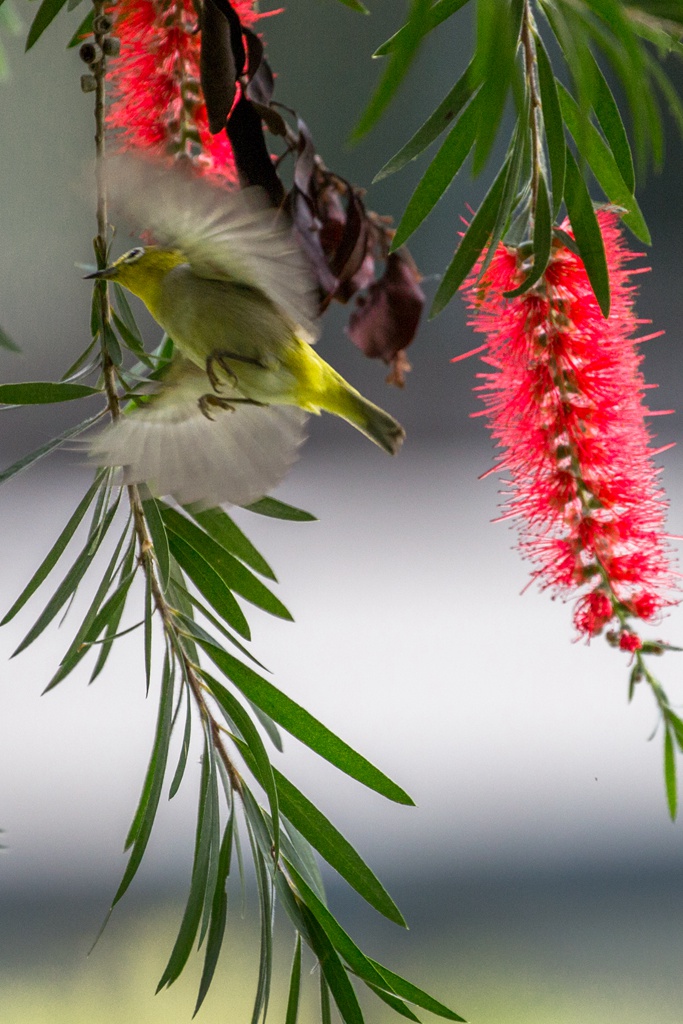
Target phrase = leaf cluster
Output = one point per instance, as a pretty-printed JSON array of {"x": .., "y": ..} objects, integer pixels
[
  {"x": 566, "y": 124},
  {"x": 197, "y": 569}
]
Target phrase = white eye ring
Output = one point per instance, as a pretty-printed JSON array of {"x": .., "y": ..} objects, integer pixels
[{"x": 133, "y": 255}]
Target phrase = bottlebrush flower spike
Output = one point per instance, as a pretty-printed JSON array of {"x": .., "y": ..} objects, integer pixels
[
  {"x": 157, "y": 103},
  {"x": 564, "y": 400}
]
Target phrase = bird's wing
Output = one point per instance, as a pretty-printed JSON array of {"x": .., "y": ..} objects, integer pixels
[
  {"x": 235, "y": 236},
  {"x": 168, "y": 443}
]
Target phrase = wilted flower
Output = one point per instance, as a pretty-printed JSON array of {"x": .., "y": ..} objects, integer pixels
[
  {"x": 157, "y": 102},
  {"x": 564, "y": 400}
]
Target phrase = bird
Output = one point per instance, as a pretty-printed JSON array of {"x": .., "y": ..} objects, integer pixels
[{"x": 221, "y": 272}]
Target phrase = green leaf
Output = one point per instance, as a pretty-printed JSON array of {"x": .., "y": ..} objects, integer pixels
[
  {"x": 402, "y": 55},
  {"x": 294, "y": 985},
  {"x": 517, "y": 150},
  {"x": 84, "y": 29},
  {"x": 114, "y": 610},
  {"x": 300, "y": 723},
  {"x": 470, "y": 247},
  {"x": 337, "y": 851},
  {"x": 223, "y": 529},
  {"x": 68, "y": 584},
  {"x": 608, "y": 115},
  {"x": 444, "y": 115},
  {"x": 396, "y": 1004},
  {"x": 333, "y": 970},
  {"x": 441, "y": 10},
  {"x": 148, "y": 622},
  {"x": 413, "y": 994},
  {"x": 56, "y": 551},
  {"x": 441, "y": 172},
  {"x": 37, "y": 392},
  {"x": 111, "y": 344},
  {"x": 241, "y": 719},
  {"x": 497, "y": 38},
  {"x": 260, "y": 847},
  {"x": 200, "y": 871},
  {"x": 356, "y": 5},
  {"x": 184, "y": 749},
  {"x": 209, "y": 584},
  {"x": 587, "y": 233},
  {"x": 143, "y": 820},
  {"x": 157, "y": 531},
  {"x": 279, "y": 510},
  {"x": 56, "y": 442},
  {"x": 48, "y": 10},
  {"x": 543, "y": 236},
  {"x": 233, "y": 573},
  {"x": 599, "y": 158},
  {"x": 6, "y": 342},
  {"x": 325, "y": 1008},
  {"x": 552, "y": 122},
  {"x": 670, "y": 772},
  {"x": 219, "y": 912}
]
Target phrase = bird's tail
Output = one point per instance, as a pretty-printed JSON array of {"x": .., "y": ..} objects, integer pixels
[{"x": 372, "y": 421}]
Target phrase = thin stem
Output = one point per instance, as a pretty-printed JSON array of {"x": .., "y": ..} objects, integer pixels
[
  {"x": 145, "y": 545},
  {"x": 530, "y": 74}
]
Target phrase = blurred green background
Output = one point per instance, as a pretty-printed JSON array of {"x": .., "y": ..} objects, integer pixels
[{"x": 539, "y": 873}]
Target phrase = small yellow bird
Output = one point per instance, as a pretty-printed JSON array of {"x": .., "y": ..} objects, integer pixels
[{"x": 228, "y": 283}]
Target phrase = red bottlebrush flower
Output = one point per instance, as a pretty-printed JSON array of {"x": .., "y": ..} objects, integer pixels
[
  {"x": 564, "y": 400},
  {"x": 157, "y": 103}
]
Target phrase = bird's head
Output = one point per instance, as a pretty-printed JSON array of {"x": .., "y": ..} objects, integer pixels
[{"x": 141, "y": 270}]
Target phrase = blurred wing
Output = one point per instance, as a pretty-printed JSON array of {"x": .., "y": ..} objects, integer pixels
[
  {"x": 235, "y": 458},
  {"x": 234, "y": 236}
]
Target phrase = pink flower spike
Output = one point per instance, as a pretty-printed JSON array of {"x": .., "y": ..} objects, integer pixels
[{"x": 563, "y": 396}]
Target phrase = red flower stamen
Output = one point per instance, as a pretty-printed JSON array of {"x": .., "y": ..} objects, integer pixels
[
  {"x": 564, "y": 400},
  {"x": 157, "y": 103}
]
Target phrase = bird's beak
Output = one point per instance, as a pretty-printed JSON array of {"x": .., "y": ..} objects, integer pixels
[{"x": 100, "y": 275}]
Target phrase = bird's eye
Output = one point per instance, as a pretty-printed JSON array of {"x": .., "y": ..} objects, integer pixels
[{"x": 134, "y": 255}]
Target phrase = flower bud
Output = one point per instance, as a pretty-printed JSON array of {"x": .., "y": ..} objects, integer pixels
[
  {"x": 88, "y": 83},
  {"x": 102, "y": 24},
  {"x": 111, "y": 46},
  {"x": 90, "y": 53}
]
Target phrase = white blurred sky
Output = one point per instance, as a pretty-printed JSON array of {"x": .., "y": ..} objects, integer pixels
[{"x": 411, "y": 640}]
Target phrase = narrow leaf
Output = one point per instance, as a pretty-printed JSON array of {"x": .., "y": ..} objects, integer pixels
[
  {"x": 280, "y": 510},
  {"x": 67, "y": 586},
  {"x": 300, "y": 723},
  {"x": 84, "y": 29},
  {"x": 337, "y": 851},
  {"x": 184, "y": 749},
  {"x": 225, "y": 530},
  {"x": 56, "y": 551},
  {"x": 402, "y": 55},
  {"x": 27, "y": 460},
  {"x": 608, "y": 115},
  {"x": 233, "y": 573},
  {"x": 599, "y": 158},
  {"x": 552, "y": 122},
  {"x": 470, "y": 247},
  {"x": 48, "y": 10},
  {"x": 440, "y": 11},
  {"x": 157, "y": 530},
  {"x": 141, "y": 826},
  {"x": 356, "y": 5},
  {"x": 252, "y": 738},
  {"x": 441, "y": 172},
  {"x": 444, "y": 115},
  {"x": 35, "y": 392},
  {"x": 396, "y": 1004},
  {"x": 210, "y": 584},
  {"x": 294, "y": 985},
  {"x": 200, "y": 869},
  {"x": 587, "y": 233},
  {"x": 7, "y": 343},
  {"x": 415, "y": 995},
  {"x": 219, "y": 912},
  {"x": 543, "y": 236},
  {"x": 333, "y": 971},
  {"x": 670, "y": 772}
]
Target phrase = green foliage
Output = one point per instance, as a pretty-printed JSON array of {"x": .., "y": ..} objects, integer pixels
[
  {"x": 511, "y": 69},
  {"x": 195, "y": 568}
]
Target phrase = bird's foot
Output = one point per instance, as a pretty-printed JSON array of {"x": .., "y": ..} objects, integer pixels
[
  {"x": 223, "y": 360},
  {"x": 210, "y": 401}
]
